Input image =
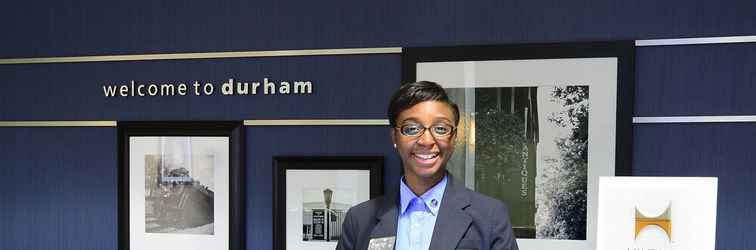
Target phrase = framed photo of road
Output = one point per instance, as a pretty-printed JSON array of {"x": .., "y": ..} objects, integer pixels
[{"x": 180, "y": 185}]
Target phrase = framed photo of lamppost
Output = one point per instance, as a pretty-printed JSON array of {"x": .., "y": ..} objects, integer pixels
[
  {"x": 181, "y": 185},
  {"x": 311, "y": 196},
  {"x": 539, "y": 124}
]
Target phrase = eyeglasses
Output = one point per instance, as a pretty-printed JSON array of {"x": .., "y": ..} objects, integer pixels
[{"x": 437, "y": 130}]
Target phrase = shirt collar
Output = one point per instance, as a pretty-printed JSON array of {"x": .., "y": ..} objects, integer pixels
[{"x": 434, "y": 193}]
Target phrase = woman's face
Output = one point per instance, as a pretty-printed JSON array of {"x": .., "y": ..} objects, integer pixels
[{"x": 425, "y": 155}]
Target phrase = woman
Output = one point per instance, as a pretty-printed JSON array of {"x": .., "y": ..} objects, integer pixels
[{"x": 429, "y": 211}]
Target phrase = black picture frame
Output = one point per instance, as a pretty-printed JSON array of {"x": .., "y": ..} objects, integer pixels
[
  {"x": 233, "y": 130},
  {"x": 281, "y": 164},
  {"x": 417, "y": 61}
]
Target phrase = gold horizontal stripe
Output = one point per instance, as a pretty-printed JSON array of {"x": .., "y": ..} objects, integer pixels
[
  {"x": 202, "y": 55},
  {"x": 323, "y": 122},
  {"x": 695, "y": 41},
  {"x": 58, "y": 123}
]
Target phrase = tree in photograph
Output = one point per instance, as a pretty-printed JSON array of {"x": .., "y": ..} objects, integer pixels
[{"x": 565, "y": 188}]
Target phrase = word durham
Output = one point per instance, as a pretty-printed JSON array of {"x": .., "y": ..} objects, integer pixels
[{"x": 227, "y": 88}]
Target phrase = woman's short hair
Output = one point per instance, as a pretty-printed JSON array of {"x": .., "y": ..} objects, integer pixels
[{"x": 413, "y": 93}]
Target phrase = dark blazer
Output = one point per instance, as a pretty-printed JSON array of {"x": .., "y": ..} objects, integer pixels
[{"x": 466, "y": 220}]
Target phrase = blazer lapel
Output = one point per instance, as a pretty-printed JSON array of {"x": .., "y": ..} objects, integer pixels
[
  {"x": 386, "y": 217},
  {"x": 452, "y": 221}
]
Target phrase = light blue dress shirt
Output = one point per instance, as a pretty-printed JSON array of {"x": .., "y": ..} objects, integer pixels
[{"x": 417, "y": 216}]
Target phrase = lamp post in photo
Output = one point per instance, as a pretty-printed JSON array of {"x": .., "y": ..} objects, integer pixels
[{"x": 328, "y": 194}]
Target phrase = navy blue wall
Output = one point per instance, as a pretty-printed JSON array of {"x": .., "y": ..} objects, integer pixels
[
  {"x": 59, "y": 184},
  {"x": 56, "y": 28},
  {"x": 59, "y": 188},
  {"x": 696, "y": 80}
]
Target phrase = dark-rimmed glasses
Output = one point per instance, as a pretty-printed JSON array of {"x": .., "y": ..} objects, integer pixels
[{"x": 413, "y": 130}]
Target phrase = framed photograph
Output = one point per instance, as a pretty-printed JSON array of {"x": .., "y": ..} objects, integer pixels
[
  {"x": 538, "y": 125},
  {"x": 181, "y": 185},
  {"x": 311, "y": 196}
]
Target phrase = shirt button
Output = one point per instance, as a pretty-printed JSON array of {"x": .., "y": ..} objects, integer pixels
[{"x": 434, "y": 203}]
